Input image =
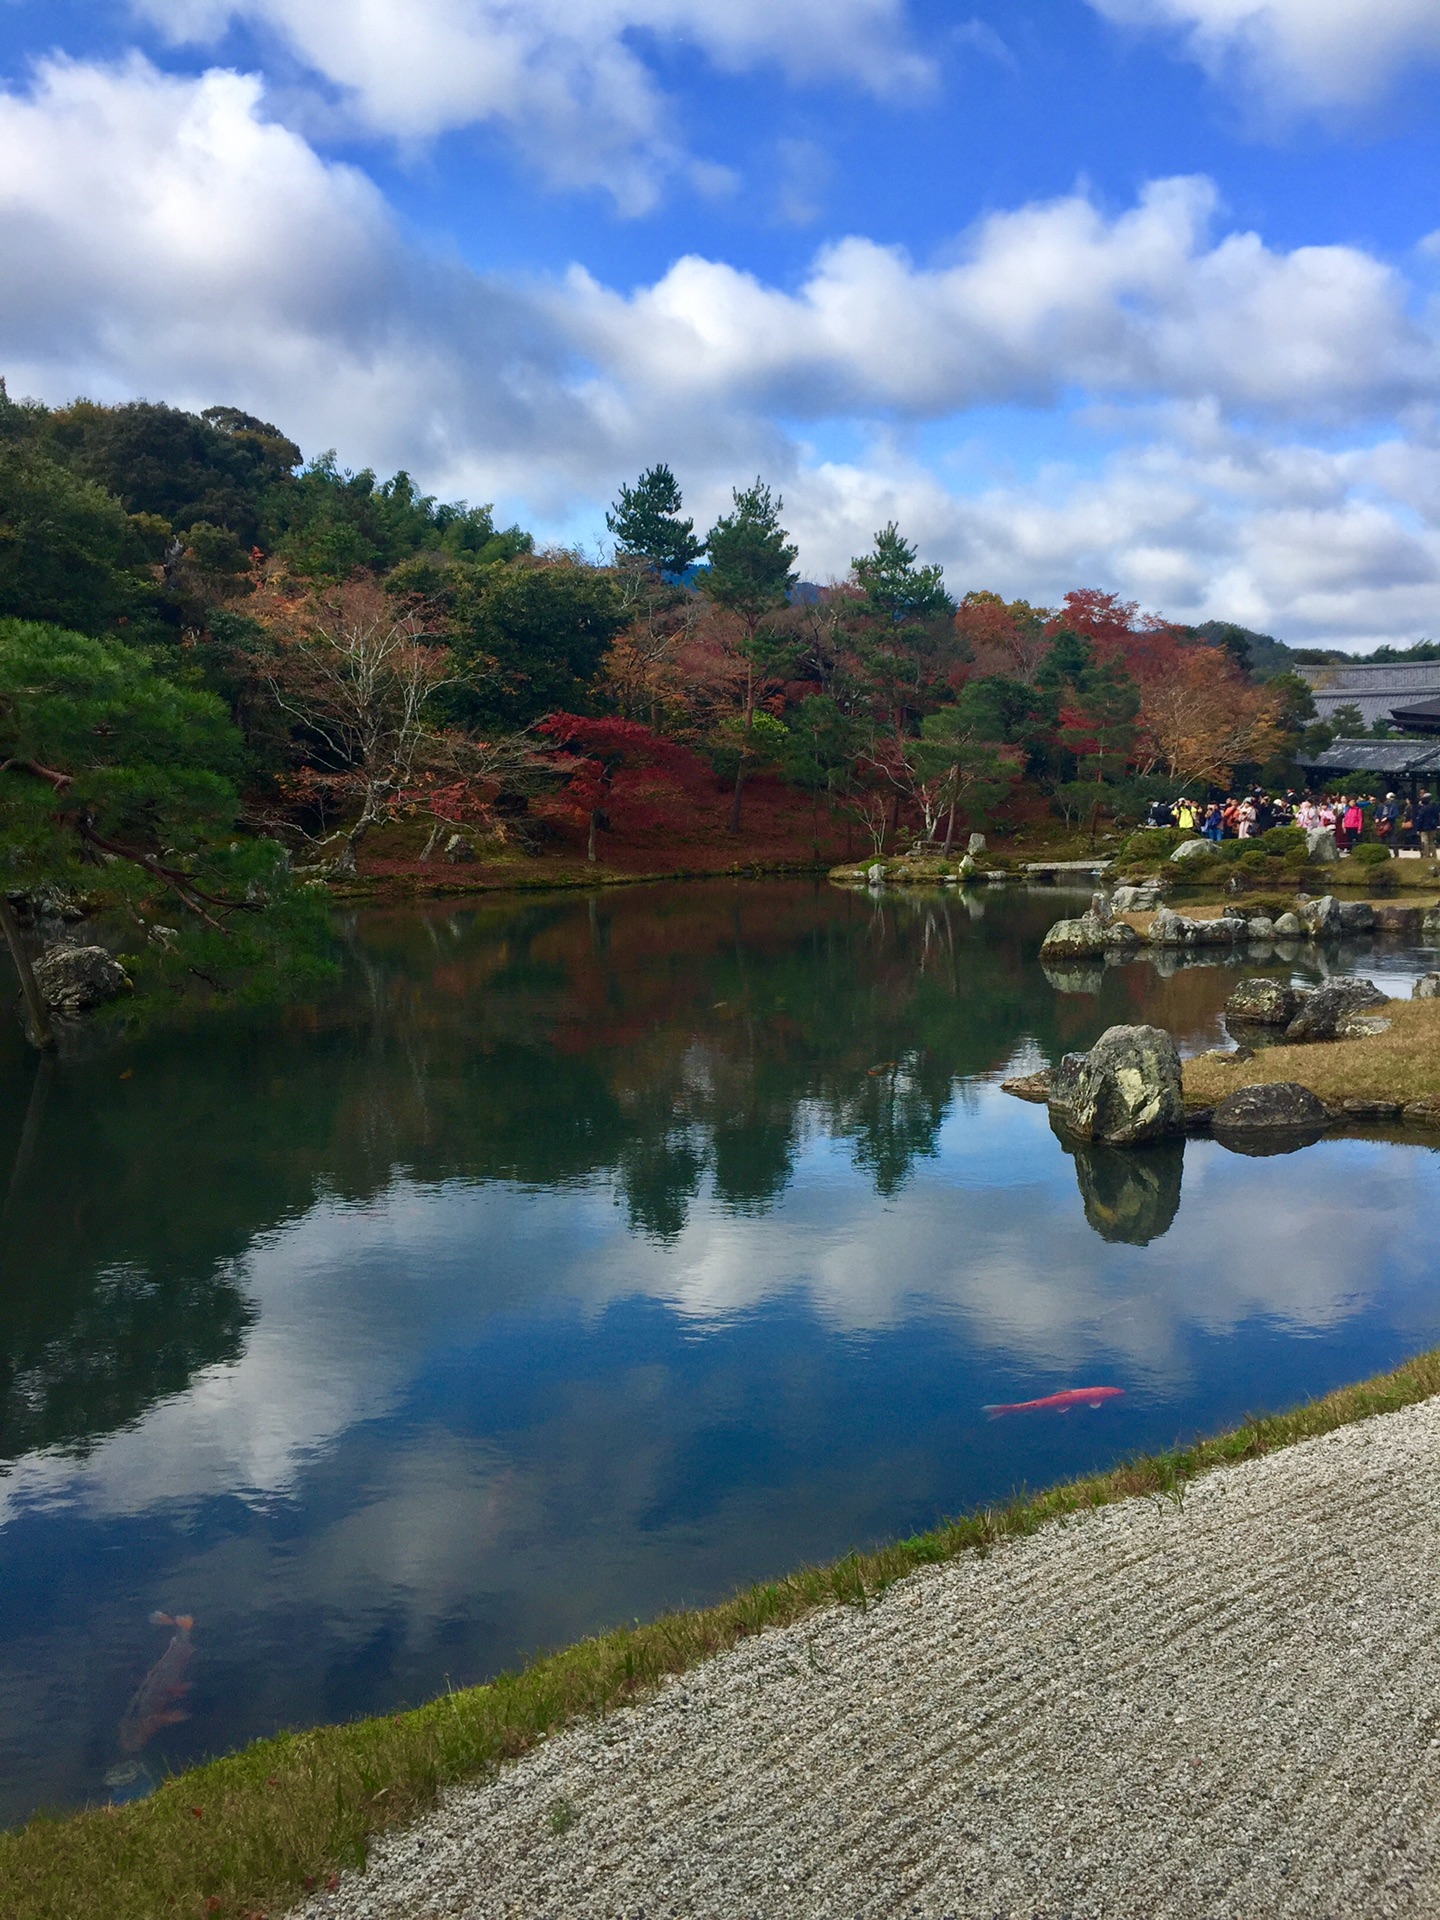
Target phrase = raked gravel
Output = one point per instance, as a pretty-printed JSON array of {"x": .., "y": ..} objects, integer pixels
[{"x": 1227, "y": 1705}]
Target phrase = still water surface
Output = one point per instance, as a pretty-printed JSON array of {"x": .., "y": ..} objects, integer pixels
[{"x": 583, "y": 1257}]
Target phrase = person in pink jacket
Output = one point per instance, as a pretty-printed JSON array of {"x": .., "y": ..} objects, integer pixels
[{"x": 1353, "y": 822}]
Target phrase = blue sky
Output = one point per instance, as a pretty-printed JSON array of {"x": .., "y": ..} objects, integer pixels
[{"x": 1129, "y": 293}]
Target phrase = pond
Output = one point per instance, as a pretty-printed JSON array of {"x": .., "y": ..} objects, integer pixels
[{"x": 584, "y": 1256}]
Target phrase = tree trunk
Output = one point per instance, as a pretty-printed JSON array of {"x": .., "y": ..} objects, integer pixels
[
  {"x": 740, "y": 773},
  {"x": 590, "y": 847},
  {"x": 41, "y": 1032},
  {"x": 950, "y": 830}
]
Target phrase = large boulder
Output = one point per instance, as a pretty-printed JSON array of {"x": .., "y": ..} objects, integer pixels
[
  {"x": 1224, "y": 931},
  {"x": 1124, "y": 1091},
  {"x": 1282, "y": 1114},
  {"x": 1168, "y": 929},
  {"x": 1289, "y": 927},
  {"x": 1262, "y": 1003},
  {"x": 1320, "y": 918},
  {"x": 1328, "y": 1008},
  {"x": 1403, "y": 921},
  {"x": 1137, "y": 899},
  {"x": 74, "y": 979},
  {"x": 1121, "y": 937},
  {"x": 1427, "y": 987},
  {"x": 1188, "y": 849},
  {"x": 1082, "y": 939},
  {"x": 1320, "y": 846},
  {"x": 1356, "y": 916}
]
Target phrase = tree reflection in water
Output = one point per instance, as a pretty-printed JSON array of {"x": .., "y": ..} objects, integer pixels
[{"x": 662, "y": 1038}]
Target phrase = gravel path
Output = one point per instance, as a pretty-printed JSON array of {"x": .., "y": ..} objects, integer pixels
[{"x": 1228, "y": 1706}]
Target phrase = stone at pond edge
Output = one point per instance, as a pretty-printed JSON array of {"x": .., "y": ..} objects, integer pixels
[
  {"x": 1080, "y": 939},
  {"x": 1282, "y": 1104},
  {"x": 1030, "y": 1086},
  {"x": 1398, "y": 919},
  {"x": 1356, "y": 916},
  {"x": 1427, "y": 987},
  {"x": 1263, "y": 1003},
  {"x": 73, "y": 979},
  {"x": 1319, "y": 917},
  {"x": 1356, "y": 1109},
  {"x": 1289, "y": 927},
  {"x": 1327, "y": 1008},
  {"x": 1126, "y": 1090}
]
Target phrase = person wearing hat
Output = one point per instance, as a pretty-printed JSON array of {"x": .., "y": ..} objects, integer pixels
[
  {"x": 1387, "y": 819},
  {"x": 1427, "y": 819}
]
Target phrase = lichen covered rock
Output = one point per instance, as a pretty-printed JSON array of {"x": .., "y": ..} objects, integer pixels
[
  {"x": 1328, "y": 1007},
  {"x": 1126, "y": 1090},
  {"x": 1263, "y": 1003},
  {"x": 74, "y": 979},
  {"x": 1282, "y": 1105}
]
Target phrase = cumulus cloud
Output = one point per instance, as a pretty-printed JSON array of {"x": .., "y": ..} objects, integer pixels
[
  {"x": 1049, "y": 297},
  {"x": 1297, "y": 53},
  {"x": 564, "y": 78},
  {"x": 163, "y": 237}
]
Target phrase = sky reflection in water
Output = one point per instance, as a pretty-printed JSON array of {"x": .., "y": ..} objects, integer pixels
[{"x": 585, "y": 1257}]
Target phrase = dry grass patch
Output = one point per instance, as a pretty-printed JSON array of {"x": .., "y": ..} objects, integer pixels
[
  {"x": 247, "y": 1836},
  {"x": 1401, "y": 1065}
]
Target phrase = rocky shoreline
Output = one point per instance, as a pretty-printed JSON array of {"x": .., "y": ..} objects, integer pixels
[{"x": 1132, "y": 1088}]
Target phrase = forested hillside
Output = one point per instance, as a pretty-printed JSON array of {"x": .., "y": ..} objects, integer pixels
[{"x": 230, "y": 677}]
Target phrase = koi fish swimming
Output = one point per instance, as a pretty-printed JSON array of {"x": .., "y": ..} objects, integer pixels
[
  {"x": 1059, "y": 1402},
  {"x": 154, "y": 1704}
]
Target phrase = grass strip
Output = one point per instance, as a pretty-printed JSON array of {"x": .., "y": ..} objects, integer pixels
[
  {"x": 248, "y": 1835},
  {"x": 1402, "y": 1065}
]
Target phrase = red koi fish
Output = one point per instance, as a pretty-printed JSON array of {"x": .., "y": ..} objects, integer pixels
[
  {"x": 154, "y": 1704},
  {"x": 1059, "y": 1402}
]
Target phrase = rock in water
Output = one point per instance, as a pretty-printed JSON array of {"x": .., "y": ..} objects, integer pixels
[
  {"x": 1282, "y": 1106},
  {"x": 1321, "y": 917},
  {"x": 1124, "y": 1091},
  {"x": 1326, "y": 1010},
  {"x": 1427, "y": 987},
  {"x": 1081, "y": 939},
  {"x": 72, "y": 979},
  {"x": 1356, "y": 916},
  {"x": 1263, "y": 1003},
  {"x": 1289, "y": 927}
]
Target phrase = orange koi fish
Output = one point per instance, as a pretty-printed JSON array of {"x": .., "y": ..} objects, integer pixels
[
  {"x": 1059, "y": 1402},
  {"x": 153, "y": 1706}
]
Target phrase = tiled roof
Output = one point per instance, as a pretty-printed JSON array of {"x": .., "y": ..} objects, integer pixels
[{"x": 1378, "y": 756}]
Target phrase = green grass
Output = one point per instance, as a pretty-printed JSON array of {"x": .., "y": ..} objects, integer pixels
[{"x": 248, "y": 1835}]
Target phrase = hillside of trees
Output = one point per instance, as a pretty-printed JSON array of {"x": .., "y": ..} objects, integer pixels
[{"x": 231, "y": 679}]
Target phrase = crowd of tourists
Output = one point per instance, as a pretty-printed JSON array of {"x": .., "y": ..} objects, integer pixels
[{"x": 1391, "y": 822}]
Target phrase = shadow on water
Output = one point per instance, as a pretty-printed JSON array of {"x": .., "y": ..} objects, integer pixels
[{"x": 582, "y": 1256}]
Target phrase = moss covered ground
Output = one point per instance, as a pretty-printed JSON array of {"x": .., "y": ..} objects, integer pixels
[{"x": 1402, "y": 1065}]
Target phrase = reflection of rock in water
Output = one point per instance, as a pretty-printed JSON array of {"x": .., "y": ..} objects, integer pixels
[
  {"x": 1131, "y": 1194},
  {"x": 1076, "y": 978}
]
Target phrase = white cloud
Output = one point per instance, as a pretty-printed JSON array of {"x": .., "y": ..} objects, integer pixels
[
  {"x": 563, "y": 77},
  {"x": 1297, "y": 53},
  {"x": 1050, "y": 297},
  {"x": 162, "y": 237}
]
